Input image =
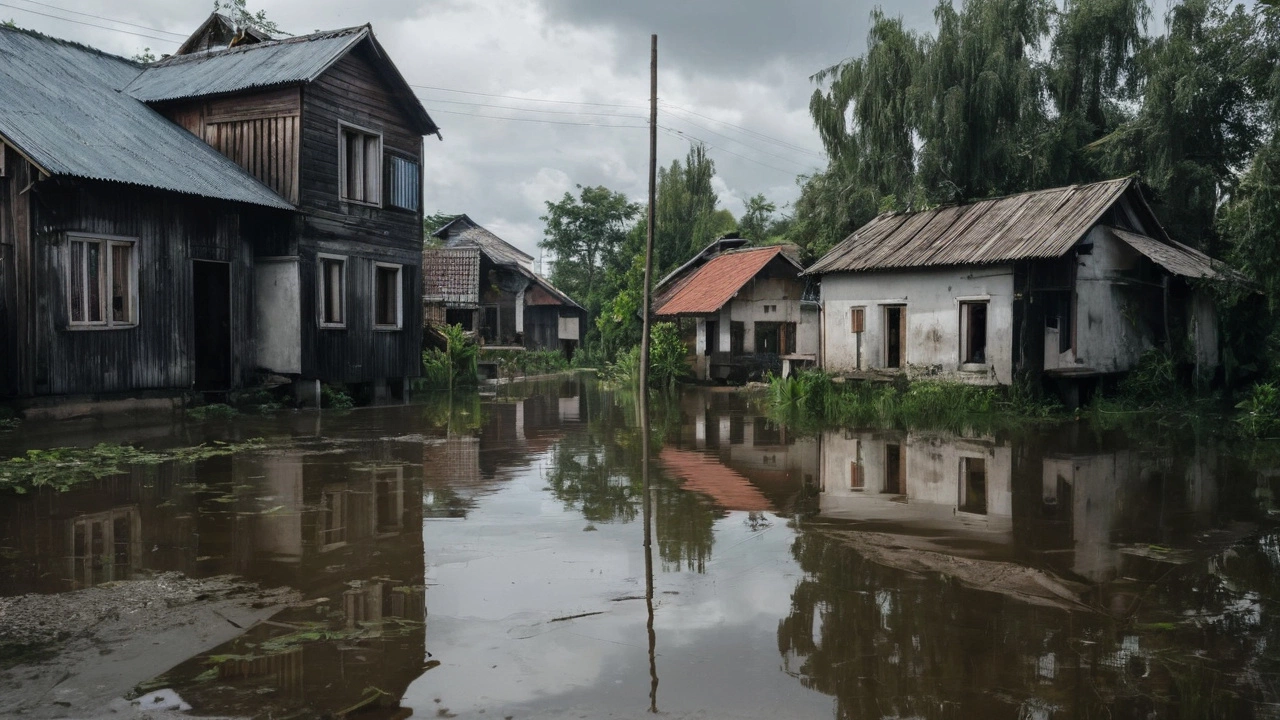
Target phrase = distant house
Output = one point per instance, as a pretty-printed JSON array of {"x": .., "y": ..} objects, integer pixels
[
  {"x": 1072, "y": 282},
  {"x": 749, "y": 308},
  {"x": 489, "y": 287},
  {"x": 187, "y": 224}
]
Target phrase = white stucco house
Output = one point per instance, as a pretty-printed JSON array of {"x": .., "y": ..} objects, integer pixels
[
  {"x": 748, "y": 307},
  {"x": 1068, "y": 283}
]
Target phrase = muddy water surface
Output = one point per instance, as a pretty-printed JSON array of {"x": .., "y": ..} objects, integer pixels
[{"x": 488, "y": 558}]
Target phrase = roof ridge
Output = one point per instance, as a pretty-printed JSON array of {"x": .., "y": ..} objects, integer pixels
[
  {"x": 1006, "y": 196},
  {"x": 176, "y": 60},
  {"x": 70, "y": 43}
]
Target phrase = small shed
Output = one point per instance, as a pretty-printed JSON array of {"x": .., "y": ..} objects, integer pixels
[{"x": 749, "y": 308}]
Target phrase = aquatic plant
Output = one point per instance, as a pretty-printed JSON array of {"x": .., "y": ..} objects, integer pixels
[
  {"x": 212, "y": 411},
  {"x": 454, "y": 366},
  {"x": 64, "y": 467},
  {"x": 668, "y": 362},
  {"x": 1260, "y": 411},
  {"x": 515, "y": 363},
  {"x": 335, "y": 398}
]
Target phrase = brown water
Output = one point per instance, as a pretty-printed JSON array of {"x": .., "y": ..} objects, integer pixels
[{"x": 487, "y": 559}]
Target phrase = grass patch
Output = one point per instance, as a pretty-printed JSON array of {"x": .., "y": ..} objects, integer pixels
[{"x": 813, "y": 399}]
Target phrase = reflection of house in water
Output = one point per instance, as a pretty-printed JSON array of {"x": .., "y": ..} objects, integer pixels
[
  {"x": 722, "y": 426},
  {"x": 918, "y": 482}
]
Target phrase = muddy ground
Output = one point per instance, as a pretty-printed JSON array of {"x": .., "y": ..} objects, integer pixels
[{"x": 80, "y": 654}]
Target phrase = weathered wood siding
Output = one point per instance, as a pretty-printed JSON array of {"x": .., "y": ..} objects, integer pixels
[
  {"x": 16, "y": 288},
  {"x": 352, "y": 92},
  {"x": 170, "y": 231},
  {"x": 259, "y": 131}
]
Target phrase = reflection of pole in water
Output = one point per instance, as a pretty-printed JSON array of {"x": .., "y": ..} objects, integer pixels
[{"x": 648, "y": 554}]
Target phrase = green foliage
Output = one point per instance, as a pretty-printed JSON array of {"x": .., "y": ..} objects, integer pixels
[
  {"x": 624, "y": 372},
  {"x": 455, "y": 366},
  {"x": 812, "y": 399},
  {"x": 335, "y": 398},
  {"x": 145, "y": 57},
  {"x": 212, "y": 411},
  {"x": 525, "y": 363},
  {"x": 62, "y": 468},
  {"x": 586, "y": 235},
  {"x": 1259, "y": 415},
  {"x": 668, "y": 356}
]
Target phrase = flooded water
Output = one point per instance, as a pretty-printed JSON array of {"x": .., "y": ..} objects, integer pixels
[{"x": 507, "y": 558}]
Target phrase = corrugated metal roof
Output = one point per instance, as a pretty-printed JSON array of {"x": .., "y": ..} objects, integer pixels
[
  {"x": 62, "y": 108},
  {"x": 451, "y": 276},
  {"x": 1174, "y": 257},
  {"x": 1041, "y": 224},
  {"x": 715, "y": 283},
  {"x": 266, "y": 64},
  {"x": 462, "y": 231}
]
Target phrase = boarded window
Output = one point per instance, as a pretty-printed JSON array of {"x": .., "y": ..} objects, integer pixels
[
  {"x": 405, "y": 189},
  {"x": 858, "y": 319},
  {"x": 360, "y": 174},
  {"x": 973, "y": 332},
  {"x": 333, "y": 293},
  {"x": 386, "y": 295},
  {"x": 856, "y": 481},
  {"x": 102, "y": 283}
]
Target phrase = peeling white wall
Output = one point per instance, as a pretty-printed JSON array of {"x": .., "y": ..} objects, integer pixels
[
  {"x": 932, "y": 298},
  {"x": 1110, "y": 336}
]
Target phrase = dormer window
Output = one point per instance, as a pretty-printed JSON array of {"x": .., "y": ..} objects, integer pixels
[{"x": 360, "y": 165}]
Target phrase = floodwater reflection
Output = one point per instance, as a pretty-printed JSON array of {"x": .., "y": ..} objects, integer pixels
[{"x": 524, "y": 556}]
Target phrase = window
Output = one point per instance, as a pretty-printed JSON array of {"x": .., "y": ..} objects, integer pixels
[
  {"x": 465, "y": 318},
  {"x": 895, "y": 466},
  {"x": 973, "y": 332},
  {"x": 737, "y": 337},
  {"x": 767, "y": 337},
  {"x": 333, "y": 291},
  {"x": 387, "y": 310},
  {"x": 856, "y": 481},
  {"x": 858, "y": 320},
  {"x": 360, "y": 166},
  {"x": 973, "y": 485},
  {"x": 895, "y": 336},
  {"x": 404, "y": 190},
  {"x": 102, "y": 282}
]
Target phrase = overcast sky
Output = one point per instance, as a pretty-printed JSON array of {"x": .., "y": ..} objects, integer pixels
[{"x": 732, "y": 73}]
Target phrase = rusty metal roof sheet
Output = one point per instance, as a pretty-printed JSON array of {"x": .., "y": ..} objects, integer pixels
[
  {"x": 1175, "y": 257},
  {"x": 714, "y": 284},
  {"x": 451, "y": 275},
  {"x": 62, "y": 108},
  {"x": 1040, "y": 224}
]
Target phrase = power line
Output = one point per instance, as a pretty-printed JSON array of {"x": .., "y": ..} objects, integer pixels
[
  {"x": 99, "y": 17},
  {"x": 538, "y": 120},
  {"x": 687, "y": 137},
  {"x": 534, "y": 110},
  {"x": 731, "y": 139},
  {"x": 762, "y": 136},
  {"x": 92, "y": 25},
  {"x": 526, "y": 99}
]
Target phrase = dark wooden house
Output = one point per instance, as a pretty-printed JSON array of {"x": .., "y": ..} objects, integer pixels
[
  {"x": 489, "y": 287},
  {"x": 188, "y": 224}
]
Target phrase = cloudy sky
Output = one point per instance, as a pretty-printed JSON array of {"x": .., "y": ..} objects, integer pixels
[{"x": 536, "y": 96}]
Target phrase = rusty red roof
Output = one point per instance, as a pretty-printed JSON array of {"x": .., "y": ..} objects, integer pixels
[
  {"x": 715, "y": 283},
  {"x": 704, "y": 474}
]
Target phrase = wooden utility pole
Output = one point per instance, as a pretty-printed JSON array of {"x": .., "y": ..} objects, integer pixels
[{"x": 648, "y": 245}]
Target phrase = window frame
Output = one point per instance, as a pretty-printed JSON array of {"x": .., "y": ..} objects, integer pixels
[
  {"x": 105, "y": 267},
  {"x": 390, "y": 158},
  {"x": 377, "y": 299},
  {"x": 901, "y": 308},
  {"x": 322, "y": 296},
  {"x": 966, "y": 306},
  {"x": 344, "y": 191}
]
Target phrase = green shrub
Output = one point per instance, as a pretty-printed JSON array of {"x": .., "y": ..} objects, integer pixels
[
  {"x": 335, "y": 398},
  {"x": 1260, "y": 412},
  {"x": 455, "y": 366},
  {"x": 668, "y": 356}
]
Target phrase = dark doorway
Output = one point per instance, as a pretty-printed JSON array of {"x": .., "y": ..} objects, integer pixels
[
  {"x": 895, "y": 466},
  {"x": 713, "y": 336},
  {"x": 211, "y": 286},
  {"x": 895, "y": 331}
]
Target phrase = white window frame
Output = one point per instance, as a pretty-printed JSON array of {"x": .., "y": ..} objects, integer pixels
[
  {"x": 344, "y": 193},
  {"x": 399, "y": 325},
  {"x": 965, "y": 306},
  {"x": 322, "y": 297},
  {"x": 104, "y": 281}
]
